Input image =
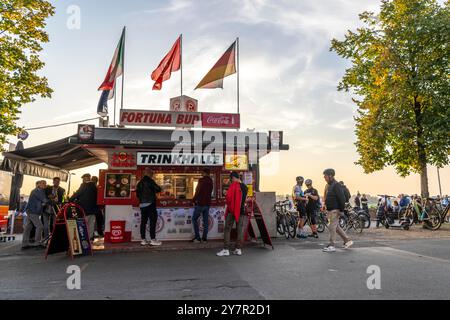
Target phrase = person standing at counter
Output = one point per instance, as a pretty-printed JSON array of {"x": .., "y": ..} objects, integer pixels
[
  {"x": 146, "y": 191},
  {"x": 86, "y": 197},
  {"x": 34, "y": 211},
  {"x": 202, "y": 201},
  {"x": 235, "y": 211}
]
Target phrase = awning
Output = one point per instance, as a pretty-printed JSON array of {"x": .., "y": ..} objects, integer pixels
[
  {"x": 167, "y": 139},
  {"x": 49, "y": 160}
]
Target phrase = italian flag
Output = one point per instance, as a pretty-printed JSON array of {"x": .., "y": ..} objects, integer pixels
[{"x": 115, "y": 70}]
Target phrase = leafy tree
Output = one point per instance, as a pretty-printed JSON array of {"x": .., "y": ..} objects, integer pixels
[
  {"x": 400, "y": 80},
  {"x": 22, "y": 31}
]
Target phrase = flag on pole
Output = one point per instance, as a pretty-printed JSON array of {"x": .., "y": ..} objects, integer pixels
[
  {"x": 102, "y": 107},
  {"x": 115, "y": 70},
  {"x": 170, "y": 63},
  {"x": 224, "y": 67}
]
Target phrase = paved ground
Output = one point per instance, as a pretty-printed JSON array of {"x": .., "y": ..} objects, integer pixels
[{"x": 296, "y": 269}]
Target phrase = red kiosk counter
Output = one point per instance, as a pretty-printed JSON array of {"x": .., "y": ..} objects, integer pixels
[
  {"x": 129, "y": 151},
  {"x": 175, "y": 207}
]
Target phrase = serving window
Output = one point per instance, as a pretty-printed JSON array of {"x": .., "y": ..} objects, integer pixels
[{"x": 179, "y": 186}]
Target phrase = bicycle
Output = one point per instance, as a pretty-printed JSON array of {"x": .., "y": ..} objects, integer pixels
[
  {"x": 426, "y": 211},
  {"x": 286, "y": 219}
]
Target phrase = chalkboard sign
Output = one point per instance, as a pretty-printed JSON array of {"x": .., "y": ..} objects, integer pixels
[{"x": 70, "y": 233}]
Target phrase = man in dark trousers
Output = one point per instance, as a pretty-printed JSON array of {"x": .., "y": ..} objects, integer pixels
[
  {"x": 335, "y": 200},
  {"x": 86, "y": 197},
  {"x": 235, "y": 212},
  {"x": 55, "y": 195},
  {"x": 36, "y": 202},
  {"x": 99, "y": 219},
  {"x": 202, "y": 201},
  {"x": 146, "y": 191}
]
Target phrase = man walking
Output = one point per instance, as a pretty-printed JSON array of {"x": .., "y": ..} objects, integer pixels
[
  {"x": 146, "y": 191},
  {"x": 235, "y": 211},
  {"x": 311, "y": 207},
  {"x": 86, "y": 197},
  {"x": 34, "y": 210},
  {"x": 99, "y": 219},
  {"x": 202, "y": 201},
  {"x": 335, "y": 204},
  {"x": 300, "y": 202}
]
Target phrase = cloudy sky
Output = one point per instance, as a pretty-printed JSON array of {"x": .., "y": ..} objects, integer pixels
[{"x": 288, "y": 76}]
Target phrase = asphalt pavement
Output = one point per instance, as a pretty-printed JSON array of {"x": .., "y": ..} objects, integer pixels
[{"x": 295, "y": 269}]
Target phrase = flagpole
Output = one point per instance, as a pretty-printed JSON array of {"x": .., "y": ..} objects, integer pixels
[
  {"x": 115, "y": 103},
  {"x": 123, "y": 70},
  {"x": 181, "y": 67},
  {"x": 237, "y": 53}
]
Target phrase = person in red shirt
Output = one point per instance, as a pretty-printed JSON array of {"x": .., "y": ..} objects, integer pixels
[
  {"x": 235, "y": 211},
  {"x": 202, "y": 201}
]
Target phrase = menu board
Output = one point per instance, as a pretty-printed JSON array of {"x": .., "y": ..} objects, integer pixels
[{"x": 118, "y": 186}]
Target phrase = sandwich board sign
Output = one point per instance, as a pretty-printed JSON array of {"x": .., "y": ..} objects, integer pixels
[{"x": 70, "y": 233}]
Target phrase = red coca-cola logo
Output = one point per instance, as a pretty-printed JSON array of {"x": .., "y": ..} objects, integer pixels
[{"x": 220, "y": 120}]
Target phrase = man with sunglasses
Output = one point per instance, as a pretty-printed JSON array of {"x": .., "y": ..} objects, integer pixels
[{"x": 312, "y": 197}]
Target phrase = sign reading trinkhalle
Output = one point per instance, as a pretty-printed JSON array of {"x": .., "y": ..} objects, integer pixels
[
  {"x": 176, "y": 159},
  {"x": 152, "y": 118}
]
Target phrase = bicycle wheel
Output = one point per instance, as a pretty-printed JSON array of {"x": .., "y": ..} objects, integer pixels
[
  {"x": 343, "y": 223},
  {"x": 358, "y": 224},
  {"x": 366, "y": 219},
  {"x": 280, "y": 228},
  {"x": 433, "y": 223},
  {"x": 292, "y": 226},
  {"x": 321, "y": 224}
]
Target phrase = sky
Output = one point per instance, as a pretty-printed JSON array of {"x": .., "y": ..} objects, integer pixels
[{"x": 288, "y": 78}]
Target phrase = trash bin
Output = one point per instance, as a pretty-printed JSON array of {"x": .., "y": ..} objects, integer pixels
[{"x": 117, "y": 231}]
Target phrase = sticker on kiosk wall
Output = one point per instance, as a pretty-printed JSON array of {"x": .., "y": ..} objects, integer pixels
[
  {"x": 118, "y": 186},
  {"x": 236, "y": 162}
]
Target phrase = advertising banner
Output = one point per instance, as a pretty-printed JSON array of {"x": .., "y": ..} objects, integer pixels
[
  {"x": 185, "y": 119},
  {"x": 176, "y": 224},
  {"x": 176, "y": 159}
]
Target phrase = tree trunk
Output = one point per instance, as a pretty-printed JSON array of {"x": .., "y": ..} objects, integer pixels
[{"x": 421, "y": 153}]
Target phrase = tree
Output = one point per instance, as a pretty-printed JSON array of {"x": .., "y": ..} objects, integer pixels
[
  {"x": 22, "y": 31},
  {"x": 399, "y": 78}
]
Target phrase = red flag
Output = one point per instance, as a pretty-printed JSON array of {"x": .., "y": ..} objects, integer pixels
[{"x": 170, "y": 63}]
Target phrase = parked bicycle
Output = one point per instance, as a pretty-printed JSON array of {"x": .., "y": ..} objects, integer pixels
[{"x": 428, "y": 211}]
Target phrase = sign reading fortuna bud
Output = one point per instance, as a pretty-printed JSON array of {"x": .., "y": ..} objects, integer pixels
[{"x": 152, "y": 118}]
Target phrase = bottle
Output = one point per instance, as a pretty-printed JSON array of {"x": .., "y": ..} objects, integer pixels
[{"x": 75, "y": 244}]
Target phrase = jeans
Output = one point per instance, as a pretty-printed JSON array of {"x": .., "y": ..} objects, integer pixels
[
  {"x": 335, "y": 227},
  {"x": 204, "y": 211},
  {"x": 48, "y": 223},
  {"x": 149, "y": 213},
  {"x": 100, "y": 221},
  {"x": 33, "y": 220},
  {"x": 90, "y": 220},
  {"x": 229, "y": 222}
]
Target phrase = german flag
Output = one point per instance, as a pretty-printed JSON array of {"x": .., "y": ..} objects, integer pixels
[{"x": 224, "y": 67}]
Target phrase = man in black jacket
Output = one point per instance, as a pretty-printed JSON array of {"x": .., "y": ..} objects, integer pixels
[
  {"x": 86, "y": 197},
  {"x": 335, "y": 200},
  {"x": 146, "y": 191},
  {"x": 55, "y": 196}
]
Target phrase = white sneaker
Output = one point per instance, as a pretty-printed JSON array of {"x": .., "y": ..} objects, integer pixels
[
  {"x": 329, "y": 249},
  {"x": 238, "y": 252},
  {"x": 144, "y": 242},
  {"x": 155, "y": 242},
  {"x": 223, "y": 253},
  {"x": 348, "y": 244}
]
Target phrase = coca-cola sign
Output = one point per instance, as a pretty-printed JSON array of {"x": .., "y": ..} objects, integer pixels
[
  {"x": 156, "y": 118},
  {"x": 220, "y": 120}
]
